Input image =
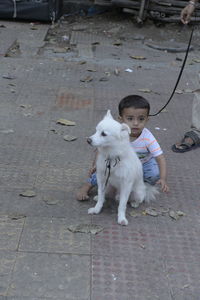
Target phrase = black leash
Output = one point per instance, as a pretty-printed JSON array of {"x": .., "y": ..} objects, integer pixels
[
  {"x": 108, "y": 167},
  {"x": 179, "y": 76}
]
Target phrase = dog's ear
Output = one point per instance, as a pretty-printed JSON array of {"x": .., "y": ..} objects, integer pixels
[
  {"x": 125, "y": 128},
  {"x": 108, "y": 114}
]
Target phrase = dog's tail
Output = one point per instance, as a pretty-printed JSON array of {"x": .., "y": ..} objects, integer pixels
[{"x": 151, "y": 192}]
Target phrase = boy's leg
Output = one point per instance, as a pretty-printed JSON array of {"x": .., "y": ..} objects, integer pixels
[
  {"x": 82, "y": 194},
  {"x": 151, "y": 172}
]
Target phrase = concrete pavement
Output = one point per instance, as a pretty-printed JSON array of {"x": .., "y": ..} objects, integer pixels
[{"x": 77, "y": 71}]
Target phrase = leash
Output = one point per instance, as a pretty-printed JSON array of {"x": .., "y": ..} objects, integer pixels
[
  {"x": 108, "y": 167},
  {"x": 179, "y": 76}
]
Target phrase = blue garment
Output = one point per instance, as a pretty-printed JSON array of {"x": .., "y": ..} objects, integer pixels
[
  {"x": 93, "y": 179},
  {"x": 150, "y": 170}
]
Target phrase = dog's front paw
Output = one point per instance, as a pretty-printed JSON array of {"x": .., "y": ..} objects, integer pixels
[
  {"x": 93, "y": 210},
  {"x": 122, "y": 221}
]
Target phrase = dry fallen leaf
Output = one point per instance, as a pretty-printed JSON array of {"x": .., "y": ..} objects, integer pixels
[
  {"x": 117, "y": 43},
  {"x": 180, "y": 213},
  {"x": 85, "y": 228},
  {"x": 103, "y": 79},
  {"x": 145, "y": 90},
  {"x": 86, "y": 79},
  {"x": 185, "y": 286},
  {"x": 28, "y": 193},
  {"x": 173, "y": 215},
  {"x": 50, "y": 201},
  {"x": 197, "y": 60},
  {"x": 176, "y": 214},
  {"x": 65, "y": 122},
  {"x": 164, "y": 211},
  {"x": 135, "y": 214},
  {"x": 137, "y": 57},
  {"x": 107, "y": 73},
  {"x": 8, "y": 76},
  {"x": 151, "y": 212},
  {"x": 54, "y": 131},
  {"x": 26, "y": 106},
  {"x": 178, "y": 91},
  {"x": 69, "y": 138},
  {"x": 142, "y": 246},
  {"x": 91, "y": 70},
  {"x": 16, "y": 217},
  {"x": 6, "y": 131},
  {"x": 164, "y": 110}
]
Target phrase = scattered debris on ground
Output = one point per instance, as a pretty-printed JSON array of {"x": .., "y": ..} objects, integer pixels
[
  {"x": 28, "y": 193},
  {"x": 65, "y": 122},
  {"x": 86, "y": 228},
  {"x": 151, "y": 211}
]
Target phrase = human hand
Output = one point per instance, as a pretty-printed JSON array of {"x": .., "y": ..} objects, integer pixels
[
  {"x": 164, "y": 186},
  {"x": 186, "y": 13}
]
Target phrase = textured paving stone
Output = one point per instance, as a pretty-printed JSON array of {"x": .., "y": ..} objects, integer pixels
[
  {"x": 7, "y": 262},
  {"x": 10, "y": 232},
  {"x": 53, "y": 236},
  {"x": 38, "y": 298},
  {"x": 11, "y": 203},
  {"x": 119, "y": 241},
  {"x": 9, "y": 41},
  {"x": 153, "y": 257},
  {"x": 127, "y": 278},
  {"x": 50, "y": 275},
  {"x": 18, "y": 177}
]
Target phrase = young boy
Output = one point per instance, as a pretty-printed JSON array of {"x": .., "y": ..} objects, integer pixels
[{"x": 134, "y": 111}]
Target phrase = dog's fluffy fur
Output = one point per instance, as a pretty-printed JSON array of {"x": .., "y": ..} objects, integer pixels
[{"x": 126, "y": 174}]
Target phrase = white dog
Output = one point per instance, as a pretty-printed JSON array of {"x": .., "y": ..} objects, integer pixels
[{"x": 118, "y": 166}]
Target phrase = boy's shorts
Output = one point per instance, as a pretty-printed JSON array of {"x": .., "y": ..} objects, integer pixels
[{"x": 150, "y": 170}]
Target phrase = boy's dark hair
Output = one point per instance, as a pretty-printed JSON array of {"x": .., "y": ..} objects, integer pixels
[{"x": 135, "y": 101}]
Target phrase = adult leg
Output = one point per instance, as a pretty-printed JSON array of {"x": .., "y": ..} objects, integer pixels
[{"x": 191, "y": 138}]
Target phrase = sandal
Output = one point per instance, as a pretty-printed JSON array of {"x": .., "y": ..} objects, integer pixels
[{"x": 187, "y": 146}]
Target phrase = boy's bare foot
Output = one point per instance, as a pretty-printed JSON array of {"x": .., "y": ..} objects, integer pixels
[{"x": 82, "y": 194}]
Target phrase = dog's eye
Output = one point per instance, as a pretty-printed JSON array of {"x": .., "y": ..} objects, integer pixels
[{"x": 103, "y": 133}]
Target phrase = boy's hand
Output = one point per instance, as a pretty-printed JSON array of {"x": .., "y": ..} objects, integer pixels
[{"x": 164, "y": 186}]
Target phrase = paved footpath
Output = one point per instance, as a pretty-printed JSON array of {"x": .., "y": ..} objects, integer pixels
[{"x": 76, "y": 72}]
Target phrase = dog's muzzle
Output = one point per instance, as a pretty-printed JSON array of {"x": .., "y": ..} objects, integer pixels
[{"x": 89, "y": 140}]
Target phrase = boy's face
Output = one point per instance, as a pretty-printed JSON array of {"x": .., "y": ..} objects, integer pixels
[{"x": 135, "y": 118}]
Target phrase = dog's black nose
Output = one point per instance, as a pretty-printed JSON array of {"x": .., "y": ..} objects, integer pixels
[{"x": 89, "y": 140}]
